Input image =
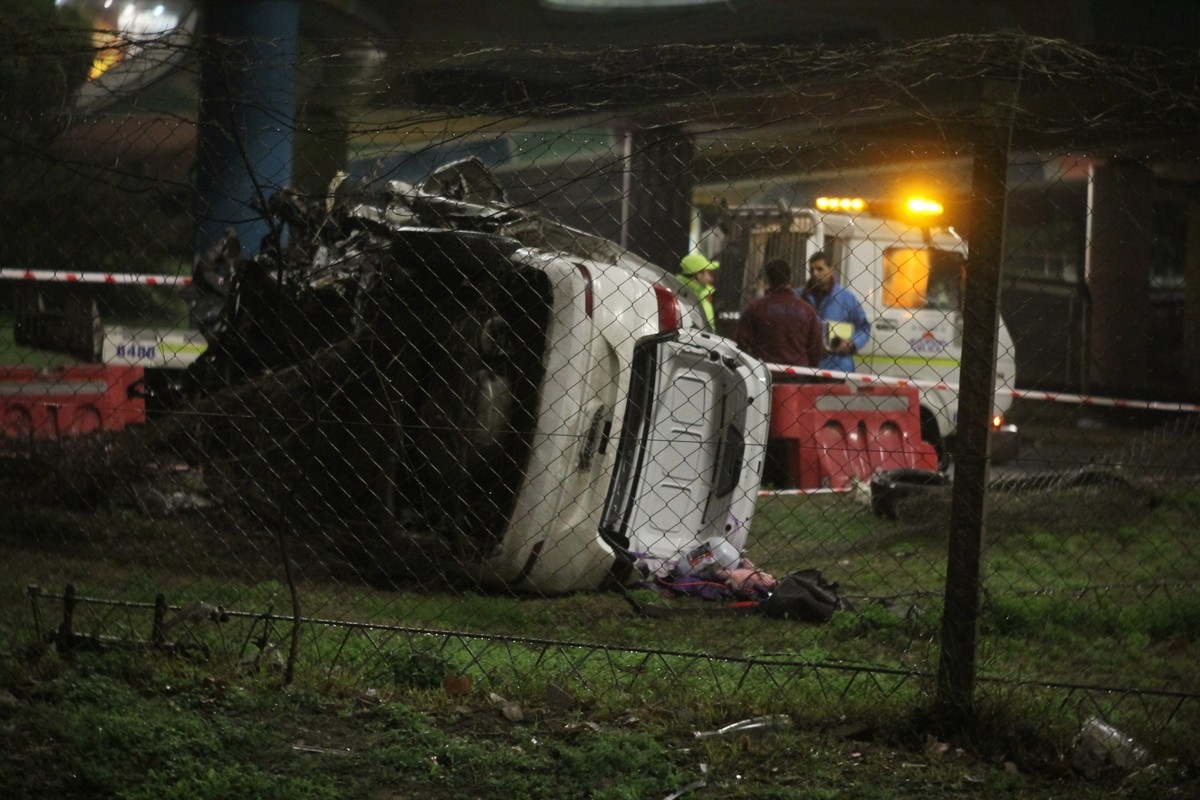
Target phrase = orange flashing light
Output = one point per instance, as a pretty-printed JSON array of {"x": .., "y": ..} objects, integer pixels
[
  {"x": 851, "y": 204},
  {"x": 923, "y": 206}
]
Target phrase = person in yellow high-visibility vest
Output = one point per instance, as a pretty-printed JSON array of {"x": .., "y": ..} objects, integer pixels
[{"x": 698, "y": 273}]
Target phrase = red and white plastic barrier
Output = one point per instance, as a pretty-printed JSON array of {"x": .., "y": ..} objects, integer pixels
[
  {"x": 68, "y": 401},
  {"x": 1054, "y": 397},
  {"x": 111, "y": 278}
]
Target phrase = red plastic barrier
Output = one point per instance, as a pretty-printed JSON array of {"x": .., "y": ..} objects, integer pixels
[
  {"x": 832, "y": 434},
  {"x": 68, "y": 401}
]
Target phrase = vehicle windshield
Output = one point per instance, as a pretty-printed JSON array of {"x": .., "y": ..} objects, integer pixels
[{"x": 922, "y": 278}]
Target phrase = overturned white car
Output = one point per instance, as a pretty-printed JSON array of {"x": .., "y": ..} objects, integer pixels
[{"x": 533, "y": 396}]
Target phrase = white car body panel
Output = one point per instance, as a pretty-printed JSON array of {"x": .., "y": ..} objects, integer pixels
[
  {"x": 695, "y": 409},
  {"x": 707, "y": 388}
]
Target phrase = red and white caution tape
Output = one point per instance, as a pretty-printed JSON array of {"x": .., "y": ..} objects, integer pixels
[
  {"x": 111, "y": 278},
  {"x": 1031, "y": 394},
  {"x": 796, "y": 492},
  {"x": 132, "y": 278},
  {"x": 1108, "y": 402},
  {"x": 860, "y": 377}
]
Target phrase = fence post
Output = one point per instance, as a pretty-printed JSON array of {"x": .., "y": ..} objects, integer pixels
[
  {"x": 34, "y": 593},
  {"x": 65, "y": 641},
  {"x": 158, "y": 636},
  {"x": 960, "y": 619}
]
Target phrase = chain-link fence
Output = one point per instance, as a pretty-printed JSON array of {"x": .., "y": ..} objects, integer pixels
[{"x": 408, "y": 368}]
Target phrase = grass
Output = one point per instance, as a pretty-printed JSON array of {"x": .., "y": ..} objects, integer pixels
[
  {"x": 1086, "y": 591},
  {"x": 132, "y": 725}
]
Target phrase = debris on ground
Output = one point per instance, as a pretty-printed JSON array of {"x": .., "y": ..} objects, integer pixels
[
  {"x": 755, "y": 727},
  {"x": 715, "y": 570},
  {"x": 509, "y": 709},
  {"x": 1101, "y": 748}
]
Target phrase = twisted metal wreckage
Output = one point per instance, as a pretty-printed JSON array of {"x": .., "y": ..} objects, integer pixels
[{"x": 544, "y": 403}]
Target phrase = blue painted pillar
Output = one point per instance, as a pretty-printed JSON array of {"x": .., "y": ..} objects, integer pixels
[{"x": 248, "y": 52}]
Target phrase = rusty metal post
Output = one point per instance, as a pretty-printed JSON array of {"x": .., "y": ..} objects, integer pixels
[
  {"x": 960, "y": 620},
  {"x": 65, "y": 640},
  {"x": 158, "y": 637},
  {"x": 34, "y": 593}
]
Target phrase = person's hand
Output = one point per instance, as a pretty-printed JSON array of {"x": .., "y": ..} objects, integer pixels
[
  {"x": 750, "y": 580},
  {"x": 844, "y": 348}
]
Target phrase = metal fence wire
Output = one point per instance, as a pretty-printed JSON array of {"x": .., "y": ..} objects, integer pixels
[{"x": 390, "y": 370}]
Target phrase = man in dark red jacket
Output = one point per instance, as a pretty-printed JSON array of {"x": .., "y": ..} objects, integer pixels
[{"x": 779, "y": 327}]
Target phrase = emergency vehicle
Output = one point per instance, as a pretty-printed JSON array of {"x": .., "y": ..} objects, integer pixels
[{"x": 907, "y": 273}]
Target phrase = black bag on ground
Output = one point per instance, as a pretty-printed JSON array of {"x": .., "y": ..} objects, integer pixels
[{"x": 804, "y": 596}]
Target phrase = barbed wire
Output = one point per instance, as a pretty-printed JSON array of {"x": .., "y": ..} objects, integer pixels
[{"x": 1067, "y": 88}]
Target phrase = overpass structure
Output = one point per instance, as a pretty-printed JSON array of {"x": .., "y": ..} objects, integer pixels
[{"x": 738, "y": 92}]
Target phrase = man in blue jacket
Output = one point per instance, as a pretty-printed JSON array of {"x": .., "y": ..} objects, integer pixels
[{"x": 847, "y": 329}]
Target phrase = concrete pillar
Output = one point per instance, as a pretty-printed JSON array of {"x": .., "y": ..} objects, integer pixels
[
  {"x": 1191, "y": 303},
  {"x": 658, "y": 195},
  {"x": 1118, "y": 268},
  {"x": 247, "y": 107}
]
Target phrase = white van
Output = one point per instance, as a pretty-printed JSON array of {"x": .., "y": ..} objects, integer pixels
[{"x": 909, "y": 280}]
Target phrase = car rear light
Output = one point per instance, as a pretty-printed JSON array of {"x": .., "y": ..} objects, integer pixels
[
  {"x": 669, "y": 311},
  {"x": 588, "y": 303}
]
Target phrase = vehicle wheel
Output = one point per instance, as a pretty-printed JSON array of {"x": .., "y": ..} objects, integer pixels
[
  {"x": 890, "y": 487},
  {"x": 1005, "y": 444}
]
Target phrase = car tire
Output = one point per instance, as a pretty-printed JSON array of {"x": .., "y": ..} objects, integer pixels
[{"x": 890, "y": 487}]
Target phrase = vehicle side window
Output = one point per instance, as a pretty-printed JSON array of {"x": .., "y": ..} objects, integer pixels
[
  {"x": 905, "y": 277},
  {"x": 946, "y": 274}
]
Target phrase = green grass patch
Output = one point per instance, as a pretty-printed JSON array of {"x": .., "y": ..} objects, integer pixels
[
  {"x": 138, "y": 725},
  {"x": 1081, "y": 589}
]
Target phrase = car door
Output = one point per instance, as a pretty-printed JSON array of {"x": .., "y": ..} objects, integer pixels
[{"x": 690, "y": 455}]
